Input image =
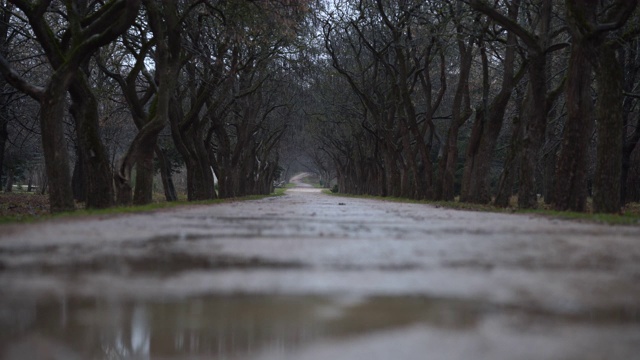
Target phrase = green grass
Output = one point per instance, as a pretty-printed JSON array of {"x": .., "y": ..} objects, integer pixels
[
  {"x": 631, "y": 215},
  {"x": 611, "y": 219},
  {"x": 118, "y": 210}
]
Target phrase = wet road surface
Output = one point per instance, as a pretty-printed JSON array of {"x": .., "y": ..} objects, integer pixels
[{"x": 311, "y": 276}]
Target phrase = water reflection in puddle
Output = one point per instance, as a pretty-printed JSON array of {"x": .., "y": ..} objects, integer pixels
[{"x": 208, "y": 327}]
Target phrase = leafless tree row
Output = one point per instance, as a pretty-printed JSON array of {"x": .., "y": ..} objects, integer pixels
[
  {"x": 131, "y": 87},
  {"x": 482, "y": 100}
]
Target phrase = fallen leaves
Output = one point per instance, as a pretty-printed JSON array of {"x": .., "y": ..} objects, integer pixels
[{"x": 21, "y": 204}]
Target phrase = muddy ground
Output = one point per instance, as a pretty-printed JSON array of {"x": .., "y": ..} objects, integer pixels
[{"x": 311, "y": 276}]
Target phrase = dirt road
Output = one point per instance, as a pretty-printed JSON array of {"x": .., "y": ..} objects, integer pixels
[{"x": 311, "y": 276}]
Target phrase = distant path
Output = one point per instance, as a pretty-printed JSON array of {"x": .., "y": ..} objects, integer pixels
[
  {"x": 297, "y": 180},
  {"x": 345, "y": 278}
]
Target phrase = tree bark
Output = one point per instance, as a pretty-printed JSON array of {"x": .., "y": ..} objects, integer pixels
[
  {"x": 631, "y": 68},
  {"x": 505, "y": 183},
  {"x": 445, "y": 186},
  {"x": 534, "y": 120},
  {"x": 96, "y": 170},
  {"x": 78, "y": 180},
  {"x": 475, "y": 184},
  {"x": 606, "y": 184},
  {"x": 5, "y": 15},
  {"x": 583, "y": 20},
  {"x": 166, "y": 175},
  {"x": 4, "y": 135},
  {"x": 165, "y": 23},
  {"x": 571, "y": 170},
  {"x": 534, "y": 125},
  {"x": 54, "y": 146}
]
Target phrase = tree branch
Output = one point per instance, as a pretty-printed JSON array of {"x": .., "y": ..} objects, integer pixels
[
  {"x": 16, "y": 80},
  {"x": 528, "y": 38}
]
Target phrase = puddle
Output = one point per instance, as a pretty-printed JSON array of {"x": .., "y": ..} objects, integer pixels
[
  {"x": 240, "y": 326},
  {"x": 215, "y": 326}
]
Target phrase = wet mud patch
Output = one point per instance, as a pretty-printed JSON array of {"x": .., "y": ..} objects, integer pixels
[
  {"x": 381, "y": 267},
  {"x": 170, "y": 238},
  {"x": 159, "y": 264},
  {"x": 90, "y": 246},
  {"x": 596, "y": 263}
]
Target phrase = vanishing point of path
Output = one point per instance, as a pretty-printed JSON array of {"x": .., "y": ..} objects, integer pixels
[{"x": 311, "y": 276}]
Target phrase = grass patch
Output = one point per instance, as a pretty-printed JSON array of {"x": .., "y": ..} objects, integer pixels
[
  {"x": 281, "y": 191},
  {"x": 43, "y": 214},
  {"x": 630, "y": 216},
  {"x": 627, "y": 218}
]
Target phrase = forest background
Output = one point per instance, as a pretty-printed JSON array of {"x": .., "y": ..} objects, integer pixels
[{"x": 514, "y": 103}]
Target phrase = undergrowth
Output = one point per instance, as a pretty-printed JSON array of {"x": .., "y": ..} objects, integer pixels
[{"x": 22, "y": 208}]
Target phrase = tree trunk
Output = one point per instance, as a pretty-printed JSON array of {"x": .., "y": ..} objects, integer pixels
[
  {"x": 413, "y": 181},
  {"x": 54, "y": 146},
  {"x": 77, "y": 180},
  {"x": 207, "y": 188},
  {"x": 631, "y": 69},
  {"x": 534, "y": 125},
  {"x": 9, "y": 186},
  {"x": 627, "y": 156},
  {"x": 199, "y": 176},
  {"x": 4, "y": 135},
  {"x": 392, "y": 174},
  {"x": 606, "y": 185},
  {"x": 505, "y": 183},
  {"x": 633, "y": 177},
  {"x": 96, "y": 172},
  {"x": 461, "y": 111},
  {"x": 571, "y": 170},
  {"x": 140, "y": 152},
  {"x": 450, "y": 164},
  {"x": 5, "y": 15},
  {"x": 143, "y": 190},
  {"x": 44, "y": 185},
  {"x": 30, "y": 182},
  {"x": 549, "y": 160},
  {"x": 165, "y": 22},
  {"x": 166, "y": 175},
  {"x": 476, "y": 185}
]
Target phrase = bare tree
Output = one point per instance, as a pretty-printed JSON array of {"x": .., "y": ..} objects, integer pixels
[{"x": 83, "y": 34}]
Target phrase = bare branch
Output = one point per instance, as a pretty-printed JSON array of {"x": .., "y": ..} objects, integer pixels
[{"x": 16, "y": 80}]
